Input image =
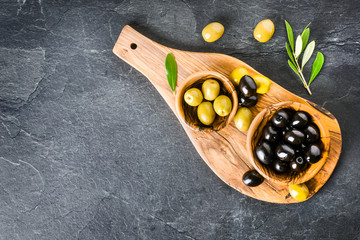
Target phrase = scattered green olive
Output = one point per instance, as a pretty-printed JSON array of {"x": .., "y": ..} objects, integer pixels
[
  {"x": 262, "y": 84},
  {"x": 264, "y": 30},
  {"x": 206, "y": 113},
  {"x": 299, "y": 192},
  {"x": 237, "y": 74},
  {"x": 222, "y": 105},
  {"x": 213, "y": 32},
  {"x": 243, "y": 118},
  {"x": 193, "y": 97},
  {"x": 210, "y": 89}
]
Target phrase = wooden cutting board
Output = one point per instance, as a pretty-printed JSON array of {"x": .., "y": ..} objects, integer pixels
[{"x": 223, "y": 151}]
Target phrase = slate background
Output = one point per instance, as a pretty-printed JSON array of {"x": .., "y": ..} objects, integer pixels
[{"x": 89, "y": 149}]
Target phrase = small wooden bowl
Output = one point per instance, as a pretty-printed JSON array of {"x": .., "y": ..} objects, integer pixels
[
  {"x": 188, "y": 114},
  {"x": 255, "y": 132}
]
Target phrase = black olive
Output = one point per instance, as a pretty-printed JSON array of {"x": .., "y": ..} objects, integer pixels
[
  {"x": 294, "y": 137},
  {"x": 289, "y": 141},
  {"x": 298, "y": 164},
  {"x": 247, "y": 86},
  {"x": 290, "y": 112},
  {"x": 313, "y": 153},
  {"x": 303, "y": 147},
  {"x": 285, "y": 130},
  {"x": 284, "y": 152},
  {"x": 264, "y": 153},
  {"x": 312, "y": 133},
  {"x": 280, "y": 166},
  {"x": 252, "y": 178},
  {"x": 300, "y": 149},
  {"x": 299, "y": 120},
  {"x": 280, "y": 118},
  {"x": 247, "y": 101},
  {"x": 271, "y": 134}
]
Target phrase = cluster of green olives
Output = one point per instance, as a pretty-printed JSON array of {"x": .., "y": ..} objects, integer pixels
[
  {"x": 290, "y": 142},
  {"x": 207, "y": 110}
]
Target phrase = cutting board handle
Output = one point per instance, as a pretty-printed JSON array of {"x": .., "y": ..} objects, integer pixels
[{"x": 146, "y": 56}]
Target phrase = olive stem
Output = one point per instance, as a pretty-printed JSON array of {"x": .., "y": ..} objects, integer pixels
[{"x": 307, "y": 87}]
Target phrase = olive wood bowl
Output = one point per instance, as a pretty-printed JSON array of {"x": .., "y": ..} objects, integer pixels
[
  {"x": 255, "y": 132},
  {"x": 188, "y": 114}
]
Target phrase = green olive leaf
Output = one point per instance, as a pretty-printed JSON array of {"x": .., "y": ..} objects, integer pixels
[
  {"x": 307, "y": 54},
  {"x": 305, "y": 37},
  {"x": 290, "y": 53},
  {"x": 307, "y": 26},
  {"x": 298, "y": 47},
  {"x": 290, "y": 35},
  {"x": 297, "y": 72},
  {"x": 171, "y": 71},
  {"x": 302, "y": 46},
  {"x": 316, "y": 67},
  {"x": 293, "y": 68}
]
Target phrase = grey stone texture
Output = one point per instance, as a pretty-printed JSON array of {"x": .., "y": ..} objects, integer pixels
[{"x": 90, "y": 150}]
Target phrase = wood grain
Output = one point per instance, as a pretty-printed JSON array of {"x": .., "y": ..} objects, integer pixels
[{"x": 224, "y": 151}]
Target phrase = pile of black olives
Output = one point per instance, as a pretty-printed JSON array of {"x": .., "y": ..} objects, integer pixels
[
  {"x": 289, "y": 142},
  {"x": 247, "y": 92}
]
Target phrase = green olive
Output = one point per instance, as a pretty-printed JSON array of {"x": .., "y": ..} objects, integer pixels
[
  {"x": 193, "y": 97},
  {"x": 213, "y": 32},
  {"x": 262, "y": 84},
  {"x": 264, "y": 30},
  {"x": 299, "y": 192},
  {"x": 237, "y": 74},
  {"x": 210, "y": 89},
  {"x": 206, "y": 113},
  {"x": 222, "y": 105},
  {"x": 243, "y": 118}
]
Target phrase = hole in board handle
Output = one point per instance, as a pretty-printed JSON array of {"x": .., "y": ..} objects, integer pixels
[{"x": 133, "y": 46}]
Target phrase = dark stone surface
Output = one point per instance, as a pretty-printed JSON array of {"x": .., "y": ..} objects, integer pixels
[{"x": 89, "y": 150}]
